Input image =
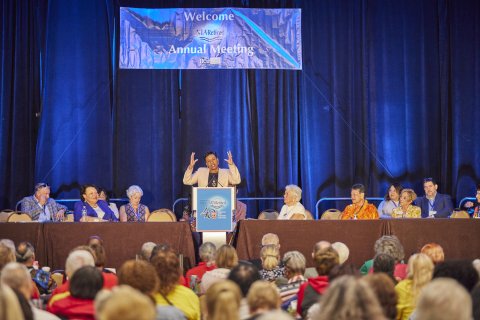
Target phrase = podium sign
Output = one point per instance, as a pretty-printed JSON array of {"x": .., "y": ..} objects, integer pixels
[{"x": 214, "y": 208}]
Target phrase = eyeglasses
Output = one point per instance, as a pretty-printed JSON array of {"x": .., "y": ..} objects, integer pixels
[{"x": 41, "y": 185}]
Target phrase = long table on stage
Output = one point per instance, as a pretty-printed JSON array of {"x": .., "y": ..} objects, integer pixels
[
  {"x": 122, "y": 241},
  {"x": 460, "y": 238}
]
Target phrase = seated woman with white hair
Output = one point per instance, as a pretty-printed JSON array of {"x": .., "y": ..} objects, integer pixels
[
  {"x": 134, "y": 211},
  {"x": 293, "y": 209}
]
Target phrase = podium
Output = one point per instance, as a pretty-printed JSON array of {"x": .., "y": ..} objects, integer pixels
[{"x": 214, "y": 209}]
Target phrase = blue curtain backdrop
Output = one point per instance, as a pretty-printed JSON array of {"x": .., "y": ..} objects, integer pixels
[{"x": 389, "y": 91}]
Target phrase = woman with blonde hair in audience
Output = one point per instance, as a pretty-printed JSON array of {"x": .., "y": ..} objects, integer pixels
[
  {"x": 434, "y": 251},
  {"x": 223, "y": 301},
  {"x": 348, "y": 298},
  {"x": 124, "y": 303},
  {"x": 270, "y": 256},
  {"x": 406, "y": 208},
  {"x": 226, "y": 258},
  {"x": 170, "y": 292},
  {"x": 262, "y": 297},
  {"x": 420, "y": 272}
]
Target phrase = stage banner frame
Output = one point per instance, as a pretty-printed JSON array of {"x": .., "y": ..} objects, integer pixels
[
  {"x": 210, "y": 38},
  {"x": 214, "y": 208}
]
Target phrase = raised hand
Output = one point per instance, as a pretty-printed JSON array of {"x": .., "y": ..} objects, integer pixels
[
  {"x": 230, "y": 158},
  {"x": 192, "y": 161}
]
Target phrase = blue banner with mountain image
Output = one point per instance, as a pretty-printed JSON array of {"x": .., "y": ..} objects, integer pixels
[{"x": 215, "y": 38}]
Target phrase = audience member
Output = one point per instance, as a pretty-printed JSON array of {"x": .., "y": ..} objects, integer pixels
[
  {"x": 24, "y": 305},
  {"x": 268, "y": 238},
  {"x": 444, "y": 299},
  {"x": 384, "y": 289},
  {"x": 292, "y": 209},
  {"x": 170, "y": 292},
  {"x": 44, "y": 284},
  {"x": 262, "y": 297},
  {"x": 134, "y": 211},
  {"x": 392, "y": 246},
  {"x": 17, "y": 277},
  {"x": 391, "y": 201},
  {"x": 41, "y": 207},
  {"x": 8, "y": 298},
  {"x": 294, "y": 262},
  {"x": 346, "y": 269},
  {"x": 348, "y": 298},
  {"x": 94, "y": 240},
  {"x": 310, "y": 291},
  {"x": 124, "y": 303},
  {"x": 406, "y": 208},
  {"x": 146, "y": 250},
  {"x": 270, "y": 256},
  {"x": 360, "y": 208},
  {"x": 275, "y": 315},
  {"x": 420, "y": 270},
  {"x": 25, "y": 254},
  {"x": 85, "y": 283},
  {"x": 322, "y": 244},
  {"x": 223, "y": 301},
  {"x": 434, "y": 204},
  {"x": 207, "y": 253},
  {"x": 225, "y": 260},
  {"x": 384, "y": 263},
  {"x": 109, "y": 279},
  {"x": 6, "y": 255},
  {"x": 462, "y": 270},
  {"x": 342, "y": 250},
  {"x": 434, "y": 251},
  {"x": 140, "y": 275},
  {"x": 244, "y": 274},
  {"x": 75, "y": 260}
]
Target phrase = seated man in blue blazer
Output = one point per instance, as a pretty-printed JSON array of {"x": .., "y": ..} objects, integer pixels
[{"x": 434, "y": 204}]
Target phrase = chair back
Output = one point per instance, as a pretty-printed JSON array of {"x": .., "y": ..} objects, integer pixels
[
  {"x": 162, "y": 215},
  {"x": 308, "y": 215},
  {"x": 268, "y": 214},
  {"x": 58, "y": 276},
  {"x": 4, "y": 214},
  {"x": 460, "y": 214},
  {"x": 331, "y": 214},
  {"x": 19, "y": 217}
]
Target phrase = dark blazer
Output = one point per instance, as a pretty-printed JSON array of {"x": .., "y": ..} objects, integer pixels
[
  {"x": 109, "y": 215},
  {"x": 442, "y": 204}
]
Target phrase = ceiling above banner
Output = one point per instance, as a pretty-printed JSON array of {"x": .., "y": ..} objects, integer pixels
[{"x": 214, "y": 38}]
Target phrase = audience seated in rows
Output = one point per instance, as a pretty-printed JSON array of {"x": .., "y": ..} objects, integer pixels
[{"x": 338, "y": 292}]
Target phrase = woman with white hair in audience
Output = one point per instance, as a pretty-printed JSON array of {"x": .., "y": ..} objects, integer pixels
[
  {"x": 294, "y": 262},
  {"x": 207, "y": 253},
  {"x": 226, "y": 258},
  {"x": 420, "y": 272},
  {"x": 134, "y": 211},
  {"x": 293, "y": 209}
]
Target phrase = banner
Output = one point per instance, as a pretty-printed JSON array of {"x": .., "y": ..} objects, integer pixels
[
  {"x": 214, "y": 208},
  {"x": 215, "y": 38}
]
